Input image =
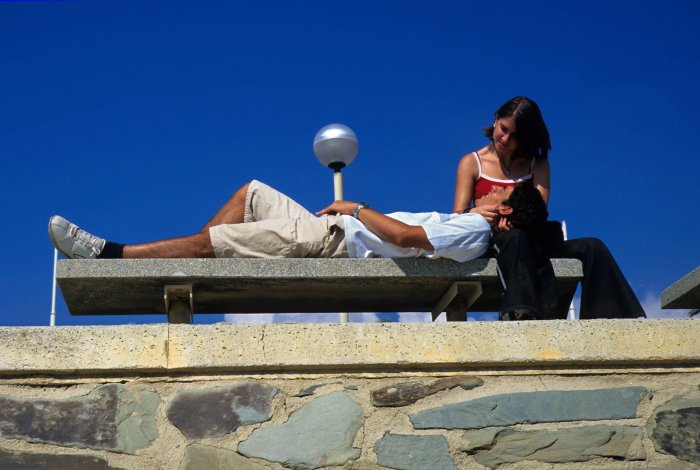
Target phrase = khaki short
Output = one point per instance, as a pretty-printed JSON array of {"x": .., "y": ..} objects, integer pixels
[{"x": 275, "y": 226}]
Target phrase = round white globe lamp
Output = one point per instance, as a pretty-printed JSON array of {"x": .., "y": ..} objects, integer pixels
[{"x": 335, "y": 146}]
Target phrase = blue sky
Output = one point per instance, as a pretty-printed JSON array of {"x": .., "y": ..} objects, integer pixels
[{"x": 138, "y": 119}]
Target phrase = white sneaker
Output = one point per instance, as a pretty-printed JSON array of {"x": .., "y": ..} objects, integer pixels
[{"x": 73, "y": 242}]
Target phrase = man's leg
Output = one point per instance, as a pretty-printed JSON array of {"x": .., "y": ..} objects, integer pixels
[
  {"x": 74, "y": 242},
  {"x": 200, "y": 244},
  {"x": 605, "y": 293},
  {"x": 232, "y": 212},
  {"x": 256, "y": 201},
  {"x": 274, "y": 213},
  {"x": 518, "y": 272},
  {"x": 194, "y": 246}
]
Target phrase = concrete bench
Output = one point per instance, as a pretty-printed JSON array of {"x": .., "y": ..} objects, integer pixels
[
  {"x": 685, "y": 293},
  {"x": 180, "y": 287}
]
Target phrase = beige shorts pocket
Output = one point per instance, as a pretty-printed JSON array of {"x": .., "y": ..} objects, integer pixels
[{"x": 310, "y": 236}]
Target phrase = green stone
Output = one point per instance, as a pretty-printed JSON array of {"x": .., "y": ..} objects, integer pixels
[
  {"x": 496, "y": 447},
  {"x": 199, "y": 457},
  {"x": 407, "y": 452},
  {"x": 319, "y": 434},
  {"x": 533, "y": 407}
]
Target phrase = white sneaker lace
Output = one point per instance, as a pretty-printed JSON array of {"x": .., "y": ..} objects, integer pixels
[{"x": 87, "y": 240}]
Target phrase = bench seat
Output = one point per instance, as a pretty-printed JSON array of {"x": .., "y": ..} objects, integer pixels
[
  {"x": 121, "y": 286},
  {"x": 684, "y": 293}
]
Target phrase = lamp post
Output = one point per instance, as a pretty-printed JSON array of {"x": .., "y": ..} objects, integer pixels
[{"x": 335, "y": 146}]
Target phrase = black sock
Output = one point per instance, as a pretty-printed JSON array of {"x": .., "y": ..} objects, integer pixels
[{"x": 112, "y": 250}]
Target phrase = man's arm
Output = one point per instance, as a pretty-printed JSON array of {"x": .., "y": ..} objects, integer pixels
[{"x": 386, "y": 228}]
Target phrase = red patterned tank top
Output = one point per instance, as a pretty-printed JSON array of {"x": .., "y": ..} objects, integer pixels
[{"x": 484, "y": 182}]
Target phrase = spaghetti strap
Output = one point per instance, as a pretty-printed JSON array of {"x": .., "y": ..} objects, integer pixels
[
  {"x": 532, "y": 165},
  {"x": 478, "y": 162}
]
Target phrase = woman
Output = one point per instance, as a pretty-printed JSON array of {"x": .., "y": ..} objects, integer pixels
[{"x": 517, "y": 154}]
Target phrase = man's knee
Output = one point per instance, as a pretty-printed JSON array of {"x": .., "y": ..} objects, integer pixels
[
  {"x": 203, "y": 245},
  {"x": 243, "y": 190}
]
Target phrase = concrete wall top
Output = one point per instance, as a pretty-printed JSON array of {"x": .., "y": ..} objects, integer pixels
[{"x": 576, "y": 346}]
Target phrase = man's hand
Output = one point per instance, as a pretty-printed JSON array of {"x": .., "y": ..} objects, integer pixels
[
  {"x": 339, "y": 207},
  {"x": 388, "y": 229},
  {"x": 503, "y": 225}
]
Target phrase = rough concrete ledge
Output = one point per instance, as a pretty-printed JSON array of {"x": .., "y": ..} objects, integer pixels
[
  {"x": 83, "y": 349},
  {"x": 579, "y": 346}
]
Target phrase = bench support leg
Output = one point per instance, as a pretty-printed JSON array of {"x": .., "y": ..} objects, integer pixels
[
  {"x": 179, "y": 303},
  {"x": 457, "y": 300}
]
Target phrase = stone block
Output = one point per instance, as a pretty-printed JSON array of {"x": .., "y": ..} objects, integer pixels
[
  {"x": 199, "y": 457},
  {"x": 407, "y": 452},
  {"x": 675, "y": 429},
  {"x": 217, "y": 411},
  {"x": 319, "y": 434},
  {"x": 533, "y": 407},
  {"x": 311, "y": 389},
  {"x": 495, "y": 447},
  {"x": 10, "y": 460},
  {"x": 108, "y": 418},
  {"x": 406, "y": 393}
]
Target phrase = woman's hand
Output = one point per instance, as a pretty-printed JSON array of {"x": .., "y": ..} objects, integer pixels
[{"x": 487, "y": 211}]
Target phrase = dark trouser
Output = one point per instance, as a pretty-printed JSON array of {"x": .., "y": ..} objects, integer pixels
[{"x": 528, "y": 278}]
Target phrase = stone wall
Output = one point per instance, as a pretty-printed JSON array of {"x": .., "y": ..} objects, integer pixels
[{"x": 611, "y": 394}]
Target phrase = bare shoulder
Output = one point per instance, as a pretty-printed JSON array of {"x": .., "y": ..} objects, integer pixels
[{"x": 468, "y": 161}]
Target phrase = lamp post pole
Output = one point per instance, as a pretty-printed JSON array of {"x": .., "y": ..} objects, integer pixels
[
  {"x": 335, "y": 146},
  {"x": 337, "y": 180}
]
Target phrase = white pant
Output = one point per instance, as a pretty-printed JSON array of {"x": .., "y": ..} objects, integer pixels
[{"x": 275, "y": 226}]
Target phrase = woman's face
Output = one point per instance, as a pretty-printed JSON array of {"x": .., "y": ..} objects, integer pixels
[{"x": 505, "y": 138}]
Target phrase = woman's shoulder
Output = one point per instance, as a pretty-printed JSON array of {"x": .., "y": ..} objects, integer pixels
[
  {"x": 468, "y": 163},
  {"x": 477, "y": 154}
]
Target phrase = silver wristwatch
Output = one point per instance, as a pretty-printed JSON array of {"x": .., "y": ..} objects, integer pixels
[{"x": 358, "y": 208}]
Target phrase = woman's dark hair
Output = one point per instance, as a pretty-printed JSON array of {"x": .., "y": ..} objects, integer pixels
[
  {"x": 529, "y": 209},
  {"x": 531, "y": 131}
]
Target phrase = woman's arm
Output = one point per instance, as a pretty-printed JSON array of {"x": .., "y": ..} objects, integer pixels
[
  {"x": 388, "y": 229},
  {"x": 467, "y": 173},
  {"x": 540, "y": 179}
]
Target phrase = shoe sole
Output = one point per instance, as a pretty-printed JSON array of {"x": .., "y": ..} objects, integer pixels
[{"x": 53, "y": 240}]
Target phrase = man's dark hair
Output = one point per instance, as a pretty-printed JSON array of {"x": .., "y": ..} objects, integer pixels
[
  {"x": 530, "y": 130},
  {"x": 529, "y": 209}
]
